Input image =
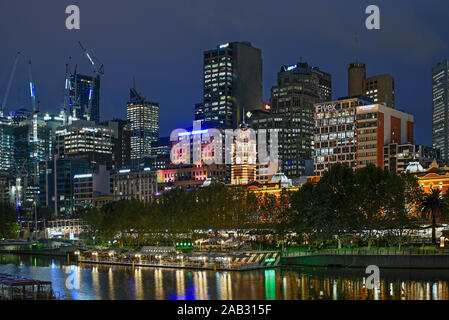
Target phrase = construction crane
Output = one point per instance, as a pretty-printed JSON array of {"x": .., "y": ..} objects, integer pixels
[
  {"x": 34, "y": 106},
  {"x": 98, "y": 72},
  {"x": 67, "y": 104},
  {"x": 8, "y": 87}
]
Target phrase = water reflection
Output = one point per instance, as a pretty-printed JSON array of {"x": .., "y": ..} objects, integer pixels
[{"x": 105, "y": 282}]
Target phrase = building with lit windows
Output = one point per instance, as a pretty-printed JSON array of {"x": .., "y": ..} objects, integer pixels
[
  {"x": 194, "y": 159},
  {"x": 291, "y": 112},
  {"x": 139, "y": 185},
  {"x": 85, "y": 139},
  {"x": 244, "y": 157},
  {"x": 6, "y": 145},
  {"x": 378, "y": 88},
  {"x": 88, "y": 186},
  {"x": 143, "y": 122},
  {"x": 232, "y": 77},
  {"x": 440, "y": 108},
  {"x": 435, "y": 177},
  {"x": 354, "y": 131},
  {"x": 57, "y": 184},
  {"x": 397, "y": 157}
]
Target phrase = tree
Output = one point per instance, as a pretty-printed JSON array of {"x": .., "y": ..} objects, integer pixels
[
  {"x": 431, "y": 205},
  {"x": 8, "y": 221}
]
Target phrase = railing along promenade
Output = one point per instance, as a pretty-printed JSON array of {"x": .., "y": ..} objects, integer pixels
[{"x": 415, "y": 251}]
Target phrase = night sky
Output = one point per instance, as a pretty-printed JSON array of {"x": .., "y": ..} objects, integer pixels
[{"x": 161, "y": 44}]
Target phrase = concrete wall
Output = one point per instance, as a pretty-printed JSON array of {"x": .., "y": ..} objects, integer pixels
[{"x": 362, "y": 261}]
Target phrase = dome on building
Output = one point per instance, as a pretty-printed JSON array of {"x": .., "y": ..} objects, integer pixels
[
  {"x": 207, "y": 182},
  {"x": 282, "y": 178},
  {"x": 414, "y": 167}
]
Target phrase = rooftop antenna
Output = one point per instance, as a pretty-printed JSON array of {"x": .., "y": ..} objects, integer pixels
[{"x": 356, "y": 46}]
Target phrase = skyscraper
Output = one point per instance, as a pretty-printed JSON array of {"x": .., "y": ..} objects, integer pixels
[
  {"x": 232, "y": 82},
  {"x": 440, "y": 108},
  {"x": 143, "y": 121},
  {"x": 379, "y": 88},
  {"x": 85, "y": 97},
  {"x": 299, "y": 87}
]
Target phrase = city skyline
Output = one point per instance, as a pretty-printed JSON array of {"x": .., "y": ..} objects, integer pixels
[{"x": 407, "y": 57}]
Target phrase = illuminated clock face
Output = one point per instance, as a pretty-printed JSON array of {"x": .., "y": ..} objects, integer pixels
[{"x": 238, "y": 160}]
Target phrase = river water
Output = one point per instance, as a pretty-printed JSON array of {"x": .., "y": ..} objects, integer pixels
[{"x": 87, "y": 281}]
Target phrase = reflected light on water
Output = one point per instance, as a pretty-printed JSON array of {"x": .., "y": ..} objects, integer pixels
[{"x": 104, "y": 282}]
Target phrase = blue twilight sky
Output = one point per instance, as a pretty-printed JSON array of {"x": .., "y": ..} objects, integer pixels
[{"x": 161, "y": 44}]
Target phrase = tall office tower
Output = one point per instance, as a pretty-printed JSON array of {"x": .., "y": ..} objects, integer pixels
[
  {"x": 33, "y": 143},
  {"x": 6, "y": 145},
  {"x": 85, "y": 139},
  {"x": 143, "y": 122},
  {"x": 121, "y": 142},
  {"x": 85, "y": 97},
  {"x": 354, "y": 131},
  {"x": 232, "y": 83},
  {"x": 199, "y": 111},
  {"x": 379, "y": 88},
  {"x": 56, "y": 182},
  {"x": 292, "y": 109},
  {"x": 440, "y": 108}
]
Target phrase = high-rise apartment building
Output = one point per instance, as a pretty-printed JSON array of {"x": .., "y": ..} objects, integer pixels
[
  {"x": 440, "y": 108},
  {"x": 232, "y": 75},
  {"x": 85, "y": 97},
  {"x": 354, "y": 131},
  {"x": 291, "y": 113},
  {"x": 379, "y": 88},
  {"x": 143, "y": 122}
]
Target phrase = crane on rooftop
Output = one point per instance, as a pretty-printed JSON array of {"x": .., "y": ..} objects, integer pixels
[
  {"x": 8, "y": 87},
  {"x": 98, "y": 72}
]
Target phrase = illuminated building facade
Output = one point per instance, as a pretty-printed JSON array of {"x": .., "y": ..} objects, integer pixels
[
  {"x": 440, "y": 108},
  {"x": 143, "y": 122},
  {"x": 435, "y": 177},
  {"x": 232, "y": 75},
  {"x": 244, "y": 157},
  {"x": 195, "y": 160},
  {"x": 189, "y": 176},
  {"x": 354, "y": 132},
  {"x": 134, "y": 185},
  {"x": 85, "y": 139}
]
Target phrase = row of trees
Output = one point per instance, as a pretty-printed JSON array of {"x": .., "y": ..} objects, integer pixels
[
  {"x": 344, "y": 206},
  {"x": 371, "y": 202},
  {"x": 180, "y": 212},
  {"x": 9, "y": 226}
]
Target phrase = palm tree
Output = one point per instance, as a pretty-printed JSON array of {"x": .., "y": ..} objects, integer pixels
[{"x": 431, "y": 204}]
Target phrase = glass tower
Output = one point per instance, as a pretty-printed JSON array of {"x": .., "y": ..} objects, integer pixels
[{"x": 440, "y": 108}]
